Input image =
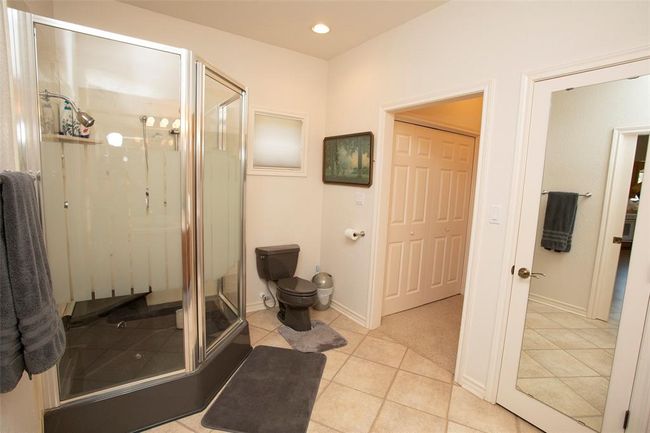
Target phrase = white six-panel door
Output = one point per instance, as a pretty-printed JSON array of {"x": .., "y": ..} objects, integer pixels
[{"x": 428, "y": 216}]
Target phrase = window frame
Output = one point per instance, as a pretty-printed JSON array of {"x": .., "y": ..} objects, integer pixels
[{"x": 251, "y": 169}]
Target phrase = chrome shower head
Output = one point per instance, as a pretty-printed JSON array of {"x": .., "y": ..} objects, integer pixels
[{"x": 84, "y": 118}]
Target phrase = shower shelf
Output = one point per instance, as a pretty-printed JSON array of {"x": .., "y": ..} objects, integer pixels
[{"x": 69, "y": 139}]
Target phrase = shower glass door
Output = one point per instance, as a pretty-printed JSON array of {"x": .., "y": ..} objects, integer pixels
[
  {"x": 220, "y": 179},
  {"x": 112, "y": 201}
]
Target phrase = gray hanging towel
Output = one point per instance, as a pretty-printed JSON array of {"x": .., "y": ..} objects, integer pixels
[
  {"x": 559, "y": 221},
  {"x": 12, "y": 362},
  {"x": 41, "y": 330}
]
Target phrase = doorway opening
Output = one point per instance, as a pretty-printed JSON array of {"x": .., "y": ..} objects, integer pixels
[
  {"x": 625, "y": 180},
  {"x": 432, "y": 178},
  {"x": 627, "y": 238}
]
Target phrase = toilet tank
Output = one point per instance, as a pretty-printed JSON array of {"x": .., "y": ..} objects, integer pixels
[{"x": 277, "y": 262}]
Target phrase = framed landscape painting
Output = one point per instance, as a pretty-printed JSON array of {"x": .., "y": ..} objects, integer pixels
[{"x": 347, "y": 159}]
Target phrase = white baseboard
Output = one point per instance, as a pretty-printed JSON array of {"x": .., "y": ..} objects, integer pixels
[
  {"x": 473, "y": 386},
  {"x": 355, "y": 317},
  {"x": 580, "y": 311},
  {"x": 255, "y": 306}
]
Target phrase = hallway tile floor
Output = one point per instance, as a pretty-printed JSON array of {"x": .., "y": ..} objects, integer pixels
[{"x": 377, "y": 385}]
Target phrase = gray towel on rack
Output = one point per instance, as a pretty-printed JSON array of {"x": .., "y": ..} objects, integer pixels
[
  {"x": 559, "y": 221},
  {"x": 12, "y": 362},
  {"x": 41, "y": 331}
]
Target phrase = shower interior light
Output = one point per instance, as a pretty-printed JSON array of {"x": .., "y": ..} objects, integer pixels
[
  {"x": 320, "y": 28},
  {"x": 164, "y": 122},
  {"x": 151, "y": 121},
  {"x": 176, "y": 124},
  {"x": 114, "y": 139}
]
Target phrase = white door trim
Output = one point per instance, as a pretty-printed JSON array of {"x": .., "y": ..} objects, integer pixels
[
  {"x": 601, "y": 294},
  {"x": 383, "y": 162}
]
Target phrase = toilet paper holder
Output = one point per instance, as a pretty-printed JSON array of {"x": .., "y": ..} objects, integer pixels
[{"x": 354, "y": 234}]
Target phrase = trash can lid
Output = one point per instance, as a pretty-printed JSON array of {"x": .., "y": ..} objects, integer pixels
[{"x": 323, "y": 280}]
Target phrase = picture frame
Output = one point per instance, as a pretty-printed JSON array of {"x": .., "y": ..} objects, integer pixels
[{"x": 348, "y": 159}]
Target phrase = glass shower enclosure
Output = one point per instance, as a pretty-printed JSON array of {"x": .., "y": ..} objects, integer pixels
[{"x": 139, "y": 151}]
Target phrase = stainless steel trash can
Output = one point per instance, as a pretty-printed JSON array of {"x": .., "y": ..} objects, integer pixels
[{"x": 325, "y": 286}]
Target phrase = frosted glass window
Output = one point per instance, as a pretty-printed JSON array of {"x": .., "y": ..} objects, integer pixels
[{"x": 278, "y": 141}]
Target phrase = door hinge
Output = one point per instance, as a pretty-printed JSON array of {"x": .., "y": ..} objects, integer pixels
[
  {"x": 626, "y": 419},
  {"x": 617, "y": 240},
  {"x": 512, "y": 270}
]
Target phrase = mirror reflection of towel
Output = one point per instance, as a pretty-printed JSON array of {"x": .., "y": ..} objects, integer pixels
[{"x": 559, "y": 221}]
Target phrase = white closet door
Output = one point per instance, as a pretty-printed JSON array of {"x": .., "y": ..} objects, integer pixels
[{"x": 428, "y": 220}]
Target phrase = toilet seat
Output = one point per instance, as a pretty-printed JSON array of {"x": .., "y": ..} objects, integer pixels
[{"x": 295, "y": 286}]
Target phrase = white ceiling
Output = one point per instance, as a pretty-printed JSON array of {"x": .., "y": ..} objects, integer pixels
[{"x": 288, "y": 23}]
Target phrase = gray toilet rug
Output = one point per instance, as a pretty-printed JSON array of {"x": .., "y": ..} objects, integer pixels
[{"x": 319, "y": 338}]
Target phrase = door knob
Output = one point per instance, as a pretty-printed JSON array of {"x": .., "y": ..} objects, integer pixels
[{"x": 525, "y": 273}]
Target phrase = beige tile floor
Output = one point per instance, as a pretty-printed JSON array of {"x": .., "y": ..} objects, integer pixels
[
  {"x": 566, "y": 361},
  {"x": 377, "y": 385}
]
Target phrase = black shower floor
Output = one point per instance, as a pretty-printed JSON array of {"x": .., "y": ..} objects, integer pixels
[{"x": 130, "y": 342}]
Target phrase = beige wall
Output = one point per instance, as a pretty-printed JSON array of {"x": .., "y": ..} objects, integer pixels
[
  {"x": 40, "y": 7},
  {"x": 451, "y": 49},
  {"x": 577, "y": 158},
  {"x": 279, "y": 209}
]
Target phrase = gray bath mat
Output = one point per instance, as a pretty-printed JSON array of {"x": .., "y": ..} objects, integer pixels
[
  {"x": 274, "y": 391},
  {"x": 318, "y": 339}
]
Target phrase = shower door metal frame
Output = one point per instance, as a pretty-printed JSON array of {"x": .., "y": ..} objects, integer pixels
[
  {"x": 202, "y": 70},
  {"x": 22, "y": 41}
]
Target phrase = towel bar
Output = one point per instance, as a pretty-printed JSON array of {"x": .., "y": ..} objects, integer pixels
[
  {"x": 34, "y": 175},
  {"x": 586, "y": 194}
]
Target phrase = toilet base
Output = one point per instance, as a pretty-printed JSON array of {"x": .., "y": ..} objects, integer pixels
[{"x": 296, "y": 318}]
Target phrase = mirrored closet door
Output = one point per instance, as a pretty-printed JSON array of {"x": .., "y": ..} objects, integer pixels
[{"x": 580, "y": 289}]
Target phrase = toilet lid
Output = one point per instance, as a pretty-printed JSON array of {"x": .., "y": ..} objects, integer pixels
[{"x": 297, "y": 286}]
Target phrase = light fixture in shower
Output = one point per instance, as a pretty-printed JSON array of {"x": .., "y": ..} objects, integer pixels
[
  {"x": 84, "y": 118},
  {"x": 150, "y": 121},
  {"x": 114, "y": 139},
  {"x": 164, "y": 122},
  {"x": 176, "y": 124}
]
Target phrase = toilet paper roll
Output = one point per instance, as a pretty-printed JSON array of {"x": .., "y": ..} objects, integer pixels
[{"x": 352, "y": 234}]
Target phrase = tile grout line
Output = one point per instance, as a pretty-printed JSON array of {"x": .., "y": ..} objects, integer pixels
[{"x": 392, "y": 382}]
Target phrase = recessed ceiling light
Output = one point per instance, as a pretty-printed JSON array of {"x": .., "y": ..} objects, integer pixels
[{"x": 320, "y": 28}]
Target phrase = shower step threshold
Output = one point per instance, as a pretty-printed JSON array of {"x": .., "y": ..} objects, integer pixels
[{"x": 85, "y": 311}]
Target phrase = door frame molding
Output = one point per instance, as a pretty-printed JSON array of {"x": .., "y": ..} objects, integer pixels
[
  {"x": 598, "y": 293},
  {"x": 383, "y": 164},
  {"x": 528, "y": 81}
]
